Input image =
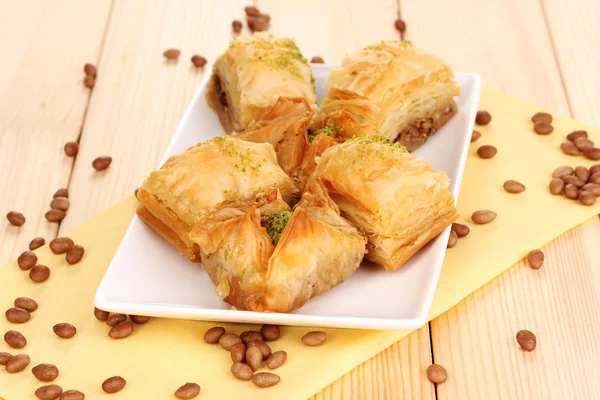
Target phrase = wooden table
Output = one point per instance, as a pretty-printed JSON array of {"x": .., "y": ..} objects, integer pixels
[{"x": 541, "y": 51}]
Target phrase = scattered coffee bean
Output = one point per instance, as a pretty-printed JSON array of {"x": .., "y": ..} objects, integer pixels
[
  {"x": 254, "y": 357},
  {"x": 594, "y": 169},
  {"x": 26, "y": 304},
  {"x": 582, "y": 173},
  {"x": 535, "y": 258},
  {"x": 436, "y": 373},
  {"x": 100, "y": 315},
  {"x": 591, "y": 153},
  {"x": 15, "y": 339},
  {"x": 90, "y": 70},
  {"x": 48, "y": 392},
  {"x": 15, "y": 218},
  {"x": 228, "y": 340},
  {"x": 595, "y": 178},
  {"x": 237, "y": 26},
  {"x": 251, "y": 11},
  {"x": 526, "y": 340},
  {"x": 121, "y": 330},
  {"x": 114, "y": 384},
  {"x": 55, "y": 215},
  {"x": 583, "y": 143},
  {"x": 314, "y": 338},
  {"x": 172, "y": 54},
  {"x": 75, "y": 254},
  {"x": 562, "y": 171},
  {"x": 17, "y": 363},
  {"x": 60, "y": 203},
  {"x": 61, "y": 245},
  {"x": 198, "y": 61},
  {"x": 592, "y": 188},
  {"x": 487, "y": 151},
  {"x": 483, "y": 118},
  {"x": 452, "y": 240},
  {"x": 277, "y": 359},
  {"x": 213, "y": 335},
  {"x": 89, "y": 82},
  {"x": 262, "y": 346},
  {"x": 64, "y": 330},
  {"x": 188, "y": 391},
  {"x": 573, "y": 180},
  {"x": 249, "y": 336},
  {"x": 39, "y": 273},
  {"x": 259, "y": 23},
  {"x": 27, "y": 260},
  {"x": 139, "y": 319},
  {"x": 238, "y": 353},
  {"x": 571, "y": 191},
  {"x": 556, "y": 186},
  {"x": 72, "y": 395},
  {"x": 101, "y": 163},
  {"x": 317, "y": 60},
  {"x": 542, "y": 117},
  {"x": 587, "y": 198},
  {"x": 483, "y": 216},
  {"x": 115, "y": 318},
  {"x": 45, "y": 372},
  {"x": 476, "y": 135},
  {"x": 36, "y": 243},
  {"x": 542, "y": 128},
  {"x": 17, "y": 315},
  {"x": 512, "y": 186},
  {"x": 242, "y": 371},
  {"x": 71, "y": 149},
  {"x": 576, "y": 135},
  {"x": 4, "y": 357},
  {"x": 270, "y": 332},
  {"x": 265, "y": 379},
  {"x": 569, "y": 148},
  {"x": 400, "y": 25},
  {"x": 62, "y": 193},
  {"x": 460, "y": 229}
]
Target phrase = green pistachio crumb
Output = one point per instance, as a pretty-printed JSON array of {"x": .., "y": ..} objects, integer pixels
[
  {"x": 327, "y": 130},
  {"x": 277, "y": 223}
]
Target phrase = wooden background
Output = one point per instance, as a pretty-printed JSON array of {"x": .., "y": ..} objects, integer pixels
[{"x": 541, "y": 51}]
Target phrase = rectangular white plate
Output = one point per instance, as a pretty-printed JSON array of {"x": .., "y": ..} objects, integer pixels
[{"x": 149, "y": 277}]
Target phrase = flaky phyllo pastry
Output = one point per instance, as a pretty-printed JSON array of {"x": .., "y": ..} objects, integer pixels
[
  {"x": 276, "y": 264},
  {"x": 194, "y": 183},
  {"x": 396, "y": 198},
  {"x": 253, "y": 74},
  {"x": 393, "y": 90}
]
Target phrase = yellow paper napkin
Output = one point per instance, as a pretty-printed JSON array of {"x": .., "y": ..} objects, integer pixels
[{"x": 164, "y": 354}]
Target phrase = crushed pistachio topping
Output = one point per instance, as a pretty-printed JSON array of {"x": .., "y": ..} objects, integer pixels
[
  {"x": 378, "y": 139},
  {"x": 277, "y": 223},
  {"x": 327, "y": 130},
  {"x": 227, "y": 145},
  {"x": 278, "y": 54}
]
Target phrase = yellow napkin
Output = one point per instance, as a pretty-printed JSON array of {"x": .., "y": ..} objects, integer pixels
[{"x": 164, "y": 354}]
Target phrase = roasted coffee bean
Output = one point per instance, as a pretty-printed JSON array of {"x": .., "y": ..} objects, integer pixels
[
  {"x": 17, "y": 363},
  {"x": 583, "y": 143},
  {"x": 55, "y": 215},
  {"x": 64, "y": 330},
  {"x": 114, "y": 384},
  {"x": 587, "y": 198},
  {"x": 90, "y": 70},
  {"x": 100, "y": 315},
  {"x": 556, "y": 186},
  {"x": 265, "y": 379},
  {"x": 72, "y": 395},
  {"x": 254, "y": 357},
  {"x": 512, "y": 186},
  {"x": 36, "y": 243},
  {"x": 121, "y": 330},
  {"x": 198, "y": 61},
  {"x": 238, "y": 353},
  {"x": 228, "y": 340},
  {"x": 89, "y": 82},
  {"x": 573, "y": 180},
  {"x": 460, "y": 229},
  {"x": 569, "y": 148},
  {"x": 101, "y": 163},
  {"x": 237, "y": 26},
  {"x": 277, "y": 359},
  {"x": 542, "y": 128},
  {"x": 582, "y": 173},
  {"x": 188, "y": 391},
  {"x": 39, "y": 273},
  {"x": 15, "y": 218},
  {"x": 242, "y": 371},
  {"x": 26, "y": 304},
  {"x": 594, "y": 169},
  {"x": 249, "y": 336},
  {"x": 45, "y": 372},
  {"x": 400, "y": 25},
  {"x": 139, "y": 319},
  {"x": 171, "y": 54},
  {"x": 476, "y": 135},
  {"x": 17, "y": 315},
  {"x": 452, "y": 240},
  {"x": 526, "y": 340},
  {"x": 576, "y": 135},
  {"x": 27, "y": 260},
  {"x": 535, "y": 258},
  {"x": 251, "y": 11},
  {"x": 542, "y": 117},
  {"x": 75, "y": 254},
  {"x": 270, "y": 332},
  {"x": 595, "y": 178},
  {"x": 592, "y": 188},
  {"x": 317, "y": 60},
  {"x": 61, "y": 245},
  {"x": 4, "y": 357},
  {"x": 62, "y": 193},
  {"x": 483, "y": 118},
  {"x": 258, "y": 24},
  {"x": 213, "y": 335},
  {"x": 562, "y": 171},
  {"x": 591, "y": 153},
  {"x": 71, "y": 149},
  {"x": 487, "y": 151},
  {"x": 15, "y": 339},
  {"x": 436, "y": 373},
  {"x": 263, "y": 347},
  {"x": 483, "y": 216},
  {"x": 115, "y": 318},
  {"x": 571, "y": 191},
  {"x": 48, "y": 392},
  {"x": 60, "y": 203},
  {"x": 314, "y": 338}
]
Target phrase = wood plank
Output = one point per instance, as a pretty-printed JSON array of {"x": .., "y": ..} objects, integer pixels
[{"x": 42, "y": 105}]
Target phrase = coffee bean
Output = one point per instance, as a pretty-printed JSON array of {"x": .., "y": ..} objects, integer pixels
[
  {"x": 48, "y": 392},
  {"x": 71, "y": 149},
  {"x": 576, "y": 135},
  {"x": 254, "y": 357},
  {"x": 61, "y": 245},
  {"x": 583, "y": 143},
  {"x": 39, "y": 273},
  {"x": 587, "y": 198},
  {"x": 251, "y": 11},
  {"x": 476, "y": 135},
  {"x": 249, "y": 336},
  {"x": 400, "y": 25},
  {"x": 89, "y": 82},
  {"x": 562, "y": 171},
  {"x": 90, "y": 70},
  {"x": 171, "y": 54},
  {"x": 62, "y": 193},
  {"x": 526, "y": 340},
  {"x": 569, "y": 148},
  {"x": 317, "y": 60},
  {"x": 213, "y": 335},
  {"x": 262, "y": 346},
  {"x": 17, "y": 315},
  {"x": 258, "y": 24},
  {"x": 582, "y": 173},
  {"x": 542, "y": 128},
  {"x": 115, "y": 318},
  {"x": 75, "y": 254},
  {"x": 27, "y": 260},
  {"x": 188, "y": 391},
  {"x": 101, "y": 163},
  {"x": 114, "y": 384},
  {"x": 460, "y": 229},
  {"x": 591, "y": 153},
  {"x": 571, "y": 191},
  {"x": 55, "y": 215},
  {"x": 595, "y": 178},
  {"x": 542, "y": 117},
  {"x": 17, "y": 363},
  {"x": 265, "y": 379},
  {"x": 556, "y": 186},
  {"x": 594, "y": 169},
  {"x": 45, "y": 372},
  {"x": 242, "y": 371},
  {"x": 487, "y": 151},
  {"x": 483, "y": 118},
  {"x": 592, "y": 188},
  {"x": 535, "y": 258},
  {"x": 64, "y": 330},
  {"x": 15, "y": 218},
  {"x": 139, "y": 319},
  {"x": 238, "y": 353},
  {"x": 199, "y": 61},
  {"x": 277, "y": 359},
  {"x": 270, "y": 332},
  {"x": 436, "y": 373},
  {"x": 60, "y": 203},
  {"x": 26, "y": 304},
  {"x": 573, "y": 180},
  {"x": 483, "y": 216},
  {"x": 314, "y": 338},
  {"x": 4, "y": 357},
  {"x": 228, "y": 340},
  {"x": 121, "y": 330},
  {"x": 72, "y": 395},
  {"x": 452, "y": 240},
  {"x": 100, "y": 315},
  {"x": 512, "y": 186},
  {"x": 36, "y": 243},
  {"x": 237, "y": 26},
  {"x": 15, "y": 339}
]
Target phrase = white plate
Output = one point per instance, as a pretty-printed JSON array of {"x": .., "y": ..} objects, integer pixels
[{"x": 149, "y": 277}]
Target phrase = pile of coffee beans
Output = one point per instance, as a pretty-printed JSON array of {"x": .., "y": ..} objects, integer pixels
[
  {"x": 578, "y": 143},
  {"x": 120, "y": 325},
  {"x": 578, "y": 183},
  {"x": 542, "y": 123},
  {"x": 257, "y": 21}
]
